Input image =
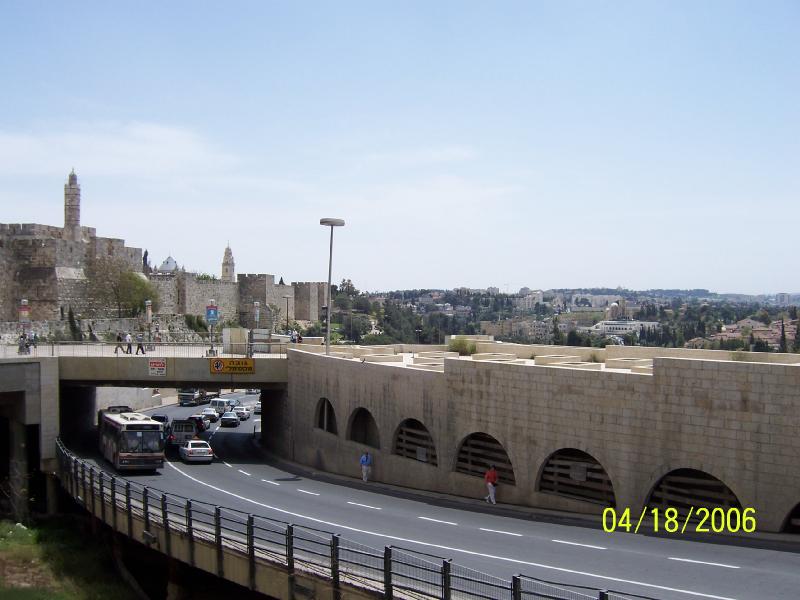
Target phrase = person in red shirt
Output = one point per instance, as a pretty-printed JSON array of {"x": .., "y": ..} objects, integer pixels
[{"x": 491, "y": 484}]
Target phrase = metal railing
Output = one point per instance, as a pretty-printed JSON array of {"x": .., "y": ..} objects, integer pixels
[
  {"x": 393, "y": 572},
  {"x": 156, "y": 349}
]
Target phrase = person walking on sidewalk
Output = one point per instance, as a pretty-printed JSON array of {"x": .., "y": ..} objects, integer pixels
[
  {"x": 491, "y": 484},
  {"x": 129, "y": 343},
  {"x": 139, "y": 343},
  {"x": 366, "y": 466},
  {"x": 119, "y": 347}
]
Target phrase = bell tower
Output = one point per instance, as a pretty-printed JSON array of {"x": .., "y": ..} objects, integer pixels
[
  {"x": 228, "y": 266},
  {"x": 72, "y": 208}
]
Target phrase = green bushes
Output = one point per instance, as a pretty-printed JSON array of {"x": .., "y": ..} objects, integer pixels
[{"x": 463, "y": 346}]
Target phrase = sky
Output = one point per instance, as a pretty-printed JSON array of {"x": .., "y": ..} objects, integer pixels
[{"x": 509, "y": 144}]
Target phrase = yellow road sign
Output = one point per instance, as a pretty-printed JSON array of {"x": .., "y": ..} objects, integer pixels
[{"x": 232, "y": 366}]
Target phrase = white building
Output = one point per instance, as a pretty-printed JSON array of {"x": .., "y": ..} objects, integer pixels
[{"x": 606, "y": 328}]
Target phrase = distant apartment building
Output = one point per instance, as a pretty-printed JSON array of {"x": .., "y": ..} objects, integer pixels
[
  {"x": 620, "y": 327},
  {"x": 783, "y": 299},
  {"x": 528, "y": 301}
]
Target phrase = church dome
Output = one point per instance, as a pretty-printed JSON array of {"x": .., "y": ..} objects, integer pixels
[{"x": 169, "y": 264}]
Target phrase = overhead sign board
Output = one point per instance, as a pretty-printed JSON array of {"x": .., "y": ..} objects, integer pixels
[
  {"x": 157, "y": 367},
  {"x": 232, "y": 366},
  {"x": 212, "y": 314}
]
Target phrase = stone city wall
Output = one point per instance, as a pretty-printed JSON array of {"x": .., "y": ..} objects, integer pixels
[
  {"x": 198, "y": 292},
  {"x": 735, "y": 421}
]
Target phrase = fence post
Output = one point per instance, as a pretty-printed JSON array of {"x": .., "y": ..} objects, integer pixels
[
  {"x": 91, "y": 489},
  {"x": 102, "y": 498},
  {"x": 602, "y": 595},
  {"x": 83, "y": 484},
  {"x": 190, "y": 531},
  {"x": 165, "y": 525},
  {"x": 446, "y": 564},
  {"x": 146, "y": 509},
  {"x": 128, "y": 511},
  {"x": 114, "y": 503},
  {"x": 251, "y": 550},
  {"x": 387, "y": 573},
  {"x": 335, "y": 561},
  {"x": 516, "y": 588},
  {"x": 218, "y": 540},
  {"x": 75, "y": 478},
  {"x": 290, "y": 548}
]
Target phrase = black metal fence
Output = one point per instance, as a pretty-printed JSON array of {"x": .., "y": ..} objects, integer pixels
[{"x": 393, "y": 572}]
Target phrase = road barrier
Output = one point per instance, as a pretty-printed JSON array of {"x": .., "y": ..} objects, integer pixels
[{"x": 255, "y": 551}]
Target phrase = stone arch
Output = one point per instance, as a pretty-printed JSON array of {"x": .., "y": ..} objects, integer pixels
[
  {"x": 576, "y": 474},
  {"x": 792, "y": 523},
  {"x": 363, "y": 429},
  {"x": 413, "y": 440},
  {"x": 690, "y": 488},
  {"x": 480, "y": 450},
  {"x": 325, "y": 416}
]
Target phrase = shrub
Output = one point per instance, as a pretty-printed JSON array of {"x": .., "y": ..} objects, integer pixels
[{"x": 463, "y": 346}]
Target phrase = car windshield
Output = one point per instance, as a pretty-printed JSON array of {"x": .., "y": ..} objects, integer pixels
[
  {"x": 141, "y": 441},
  {"x": 199, "y": 445},
  {"x": 228, "y": 414}
]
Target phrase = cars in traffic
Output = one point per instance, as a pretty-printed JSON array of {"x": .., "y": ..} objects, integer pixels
[
  {"x": 257, "y": 408},
  {"x": 229, "y": 419},
  {"x": 202, "y": 422},
  {"x": 252, "y": 391},
  {"x": 220, "y": 405},
  {"x": 180, "y": 431},
  {"x": 196, "y": 451},
  {"x": 211, "y": 414},
  {"x": 160, "y": 418},
  {"x": 195, "y": 396},
  {"x": 242, "y": 412}
]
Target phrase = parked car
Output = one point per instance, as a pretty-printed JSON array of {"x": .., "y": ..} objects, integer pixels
[
  {"x": 242, "y": 412},
  {"x": 160, "y": 418},
  {"x": 211, "y": 414},
  {"x": 252, "y": 391},
  {"x": 196, "y": 451},
  {"x": 181, "y": 431},
  {"x": 229, "y": 419},
  {"x": 202, "y": 422},
  {"x": 257, "y": 408}
]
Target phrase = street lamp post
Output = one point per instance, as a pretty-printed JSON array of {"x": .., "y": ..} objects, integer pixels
[
  {"x": 330, "y": 222},
  {"x": 286, "y": 297},
  {"x": 148, "y": 310},
  {"x": 418, "y": 330}
]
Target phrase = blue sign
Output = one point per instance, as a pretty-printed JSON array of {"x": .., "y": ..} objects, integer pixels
[{"x": 212, "y": 315}]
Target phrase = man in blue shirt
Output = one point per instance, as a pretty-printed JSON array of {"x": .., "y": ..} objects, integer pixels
[{"x": 366, "y": 466}]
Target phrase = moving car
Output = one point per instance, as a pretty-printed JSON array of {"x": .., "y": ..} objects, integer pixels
[
  {"x": 211, "y": 414},
  {"x": 219, "y": 405},
  {"x": 202, "y": 422},
  {"x": 160, "y": 418},
  {"x": 242, "y": 412},
  {"x": 229, "y": 419},
  {"x": 196, "y": 451},
  {"x": 257, "y": 408},
  {"x": 252, "y": 391},
  {"x": 195, "y": 396},
  {"x": 181, "y": 431}
]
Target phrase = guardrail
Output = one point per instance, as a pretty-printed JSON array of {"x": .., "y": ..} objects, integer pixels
[
  {"x": 159, "y": 349},
  {"x": 211, "y": 535}
]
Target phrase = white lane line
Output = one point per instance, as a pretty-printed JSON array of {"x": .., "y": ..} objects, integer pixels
[
  {"x": 702, "y": 562},
  {"x": 398, "y": 538},
  {"x": 270, "y": 482},
  {"x": 437, "y": 521},
  {"x": 364, "y": 505},
  {"x": 307, "y": 492},
  {"x": 227, "y": 465},
  {"x": 577, "y": 544},
  {"x": 498, "y": 531},
  {"x": 244, "y": 472}
]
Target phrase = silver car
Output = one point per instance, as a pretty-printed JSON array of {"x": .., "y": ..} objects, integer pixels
[
  {"x": 229, "y": 419},
  {"x": 196, "y": 451}
]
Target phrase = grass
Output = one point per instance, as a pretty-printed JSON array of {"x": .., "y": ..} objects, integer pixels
[{"x": 56, "y": 560}]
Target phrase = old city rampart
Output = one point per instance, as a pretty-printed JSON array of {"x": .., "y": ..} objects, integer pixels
[{"x": 736, "y": 422}]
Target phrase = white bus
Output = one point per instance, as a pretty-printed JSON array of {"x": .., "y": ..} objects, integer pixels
[{"x": 130, "y": 440}]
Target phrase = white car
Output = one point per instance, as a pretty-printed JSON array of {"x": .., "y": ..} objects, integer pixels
[
  {"x": 257, "y": 408},
  {"x": 229, "y": 419},
  {"x": 242, "y": 412},
  {"x": 196, "y": 451},
  {"x": 252, "y": 391}
]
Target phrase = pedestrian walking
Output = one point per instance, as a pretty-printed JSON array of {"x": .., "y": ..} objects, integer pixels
[
  {"x": 129, "y": 343},
  {"x": 119, "y": 347},
  {"x": 35, "y": 340},
  {"x": 366, "y": 466},
  {"x": 491, "y": 484},
  {"x": 139, "y": 343}
]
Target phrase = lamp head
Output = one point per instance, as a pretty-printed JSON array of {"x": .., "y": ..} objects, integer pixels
[{"x": 330, "y": 222}]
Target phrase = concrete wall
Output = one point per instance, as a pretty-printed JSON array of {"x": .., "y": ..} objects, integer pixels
[{"x": 736, "y": 421}]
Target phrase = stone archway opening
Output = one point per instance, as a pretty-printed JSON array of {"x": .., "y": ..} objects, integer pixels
[
  {"x": 363, "y": 429},
  {"x": 573, "y": 473},
  {"x": 478, "y": 452},
  {"x": 326, "y": 417},
  {"x": 689, "y": 488},
  {"x": 413, "y": 440},
  {"x": 792, "y": 523}
]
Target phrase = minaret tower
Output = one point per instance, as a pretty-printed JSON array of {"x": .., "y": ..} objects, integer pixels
[
  {"x": 72, "y": 208},
  {"x": 228, "y": 266}
]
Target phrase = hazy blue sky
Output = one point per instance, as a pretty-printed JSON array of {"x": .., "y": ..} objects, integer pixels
[{"x": 553, "y": 144}]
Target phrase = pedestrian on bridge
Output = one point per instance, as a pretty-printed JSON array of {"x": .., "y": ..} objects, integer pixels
[
  {"x": 366, "y": 466},
  {"x": 119, "y": 347},
  {"x": 491, "y": 484},
  {"x": 129, "y": 343},
  {"x": 139, "y": 343}
]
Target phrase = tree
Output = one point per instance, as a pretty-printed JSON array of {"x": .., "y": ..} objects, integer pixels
[
  {"x": 113, "y": 284},
  {"x": 354, "y": 326},
  {"x": 783, "y": 347},
  {"x": 558, "y": 337}
]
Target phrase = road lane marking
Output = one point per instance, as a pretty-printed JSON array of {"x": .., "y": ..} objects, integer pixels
[
  {"x": 498, "y": 531},
  {"x": 244, "y": 472},
  {"x": 398, "y": 538},
  {"x": 227, "y": 465},
  {"x": 307, "y": 492},
  {"x": 702, "y": 562},
  {"x": 577, "y": 544},
  {"x": 270, "y": 482},
  {"x": 364, "y": 505},
  {"x": 437, "y": 521}
]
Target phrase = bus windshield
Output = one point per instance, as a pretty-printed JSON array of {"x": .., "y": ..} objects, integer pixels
[{"x": 141, "y": 441}]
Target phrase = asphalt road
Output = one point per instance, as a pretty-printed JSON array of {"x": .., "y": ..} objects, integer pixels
[{"x": 498, "y": 545}]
